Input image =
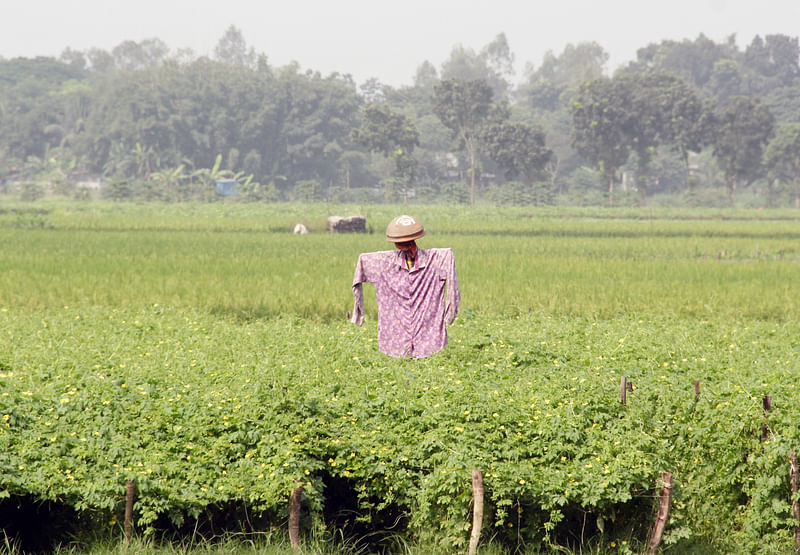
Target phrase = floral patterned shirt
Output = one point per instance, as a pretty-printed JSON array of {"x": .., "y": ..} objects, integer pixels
[{"x": 414, "y": 305}]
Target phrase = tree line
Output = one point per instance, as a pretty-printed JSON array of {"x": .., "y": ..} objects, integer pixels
[{"x": 687, "y": 122}]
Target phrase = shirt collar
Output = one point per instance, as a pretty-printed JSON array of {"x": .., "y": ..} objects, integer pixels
[{"x": 419, "y": 263}]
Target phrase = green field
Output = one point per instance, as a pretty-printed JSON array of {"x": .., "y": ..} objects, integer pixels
[{"x": 204, "y": 352}]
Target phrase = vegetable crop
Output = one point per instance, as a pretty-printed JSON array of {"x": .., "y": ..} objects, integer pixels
[{"x": 152, "y": 373}]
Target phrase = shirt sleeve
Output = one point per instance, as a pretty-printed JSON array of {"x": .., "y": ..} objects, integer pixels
[
  {"x": 453, "y": 295},
  {"x": 365, "y": 271},
  {"x": 358, "y": 292}
]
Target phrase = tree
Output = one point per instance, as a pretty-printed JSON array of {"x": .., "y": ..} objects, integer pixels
[
  {"x": 784, "y": 103},
  {"x": 232, "y": 49},
  {"x": 426, "y": 76},
  {"x": 130, "y": 55},
  {"x": 601, "y": 120},
  {"x": 73, "y": 58},
  {"x": 100, "y": 61},
  {"x": 372, "y": 91},
  {"x": 649, "y": 110},
  {"x": 499, "y": 62},
  {"x": 774, "y": 60},
  {"x": 726, "y": 79},
  {"x": 390, "y": 134},
  {"x": 742, "y": 129},
  {"x": 667, "y": 112},
  {"x": 320, "y": 113},
  {"x": 463, "y": 107},
  {"x": 783, "y": 157},
  {"x": 692, "y": 61},
  {"x": 385, "y": 131},
  {"x": 208, "y": 177},
  {"x": 33, "y": 111},
  {"x": 464, "y": 64},
  {"x": 170, "y": 180},
  {"x": 577, "y": 64},
  {"x": 494, "y": 64},
  {"x": 518, "y": 148}
]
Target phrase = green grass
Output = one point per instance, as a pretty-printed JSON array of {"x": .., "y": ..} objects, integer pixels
[{"x": 244, "y": 260}]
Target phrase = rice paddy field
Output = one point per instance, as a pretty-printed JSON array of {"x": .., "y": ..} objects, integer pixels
[{"x": 204, "y": 353}]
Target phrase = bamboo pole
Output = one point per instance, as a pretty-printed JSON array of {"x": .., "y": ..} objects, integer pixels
[
  {"x": 294, "y": 517},
  {"x": 477, "y": 510},
  {"x": 663, "y": 513},
  {"x": 130, "y": 492},
  {"x": 623, "y": 390}
]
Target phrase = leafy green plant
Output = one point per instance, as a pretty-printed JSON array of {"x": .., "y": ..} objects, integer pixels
[{"x": 214, "y": 368}]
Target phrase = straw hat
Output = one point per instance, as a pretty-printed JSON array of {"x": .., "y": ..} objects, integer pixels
[{"x": 404, "y": 228}]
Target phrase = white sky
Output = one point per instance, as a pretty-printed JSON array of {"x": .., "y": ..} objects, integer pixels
[{"x": 386, "y": 39}]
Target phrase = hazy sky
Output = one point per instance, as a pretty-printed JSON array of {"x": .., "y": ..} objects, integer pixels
[{"x": 386, "y": 39}]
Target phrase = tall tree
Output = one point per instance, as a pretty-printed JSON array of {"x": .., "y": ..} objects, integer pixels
[
  {"x": 463, "y": 107},
  {"x": 493, "y": 64},
  {"x": 692, "y": 61},
  {"x": 232, "y": 49},
  {"x": 499, "y": 62},
  {"x": 426, "y": 76},
  {"x": 742, "y": 129},
  {"x": 668, "y": 113},
  {"x": 601, "y": 120},
  {"x": 774, "y": 59}
]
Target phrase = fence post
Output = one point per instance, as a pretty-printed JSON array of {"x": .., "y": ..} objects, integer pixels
[
  {"x": 130, "y": 491},
  {"x": 477, "y": 510},
  {"x": 294, "y": 517},
  {"x": 623, "y": 390},
  {"x": 663, "y": 513}
]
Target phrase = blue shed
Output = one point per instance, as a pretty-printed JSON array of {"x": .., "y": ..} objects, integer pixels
[{"x": 227, "y": 187}]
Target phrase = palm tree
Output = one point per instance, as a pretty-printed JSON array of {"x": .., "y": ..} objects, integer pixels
[
  {"x": 208, "y": 177},
  {"x": 169, "y": 179}
]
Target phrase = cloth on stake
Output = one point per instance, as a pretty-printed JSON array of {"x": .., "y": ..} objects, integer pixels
[{"x": 416, "y": 301}]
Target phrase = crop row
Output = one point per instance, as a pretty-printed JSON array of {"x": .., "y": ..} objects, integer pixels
[{"x": 202, "y": 411}]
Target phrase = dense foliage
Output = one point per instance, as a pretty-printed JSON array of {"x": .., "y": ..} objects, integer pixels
[
  {"x": 201, "y": 352},
  {"x": 153, "y": 124}
]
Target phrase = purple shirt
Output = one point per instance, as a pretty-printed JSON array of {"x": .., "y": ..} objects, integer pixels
[{"x": 414, "y": 305}]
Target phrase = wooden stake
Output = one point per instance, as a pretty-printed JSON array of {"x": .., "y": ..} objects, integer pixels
[
  {"x": 130, "y": 491},
  {"x": 696, "y": 391},
  {"x": 663, "y": 513},
  {"x": 294, "y": 517},
  {"x": 623, "y": 390},
  {"x": 795, "y": 503},
  {"x": 477, "y": 511},
  {"x": 764, "y": 428}
]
